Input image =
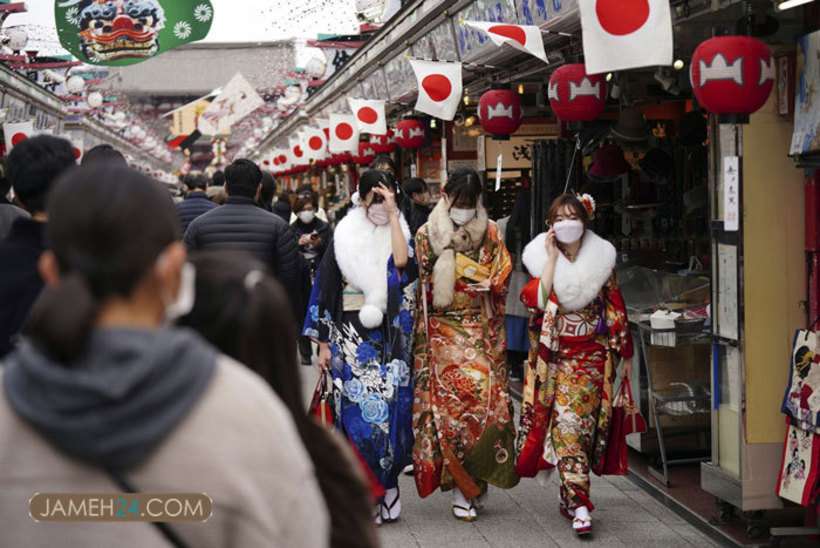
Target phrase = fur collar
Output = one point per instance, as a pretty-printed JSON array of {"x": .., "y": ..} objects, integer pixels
[
  {"x": 445, "y": 239},
  {"x": 362, "y": 251},
  {"x": 576, "y": 283}
]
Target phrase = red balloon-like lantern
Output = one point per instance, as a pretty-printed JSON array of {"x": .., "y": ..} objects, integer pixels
[
  {"x": 576, "y": 96},
  {"x": 383, "y": 144},
  {"x": 411, "y": 133},
  {"x": 365, "y": 155},
  {"x": 732, "y": 74},
  {"x": 500, "y": 112}
]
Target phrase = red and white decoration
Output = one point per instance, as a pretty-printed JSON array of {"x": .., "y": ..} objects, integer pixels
[
  {"x": 17, "y": 133},
  {"x": 624, "y": 34},
  {"x": 365, "y": 154},
  {"x": 370, "y": 116},
  {"x": 500, "y": 112},
  {"x": 732, "y": 74},
  {"x": 526, "y": 38},
  {"x": 314, "y": 143},
  {"x": 296, "y": 154},
  {"x": 344, "y": 133},
  {"x": 574, "y": 95},
  {"x": 384, "y": 144},
  {"x": 411, "y": 133},
  {"x": 79, "y": 149},
  {"x": 439, "y": 88}
]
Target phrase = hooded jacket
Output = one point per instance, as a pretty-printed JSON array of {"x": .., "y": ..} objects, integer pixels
[{"x": 171, "y": 415}]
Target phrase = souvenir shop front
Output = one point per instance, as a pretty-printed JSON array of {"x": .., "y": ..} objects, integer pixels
[
  {"x": 28, "y": 107},
  {"x": 701, "y": 168}
]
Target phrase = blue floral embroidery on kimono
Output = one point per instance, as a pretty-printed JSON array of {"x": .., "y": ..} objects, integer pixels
[{"x": 371, "y": 368}]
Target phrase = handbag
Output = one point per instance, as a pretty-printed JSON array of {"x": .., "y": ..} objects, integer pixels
[
  {"x": 321, "y": 404},
  {"x": 616, "y": 462},
  {"x": 634, "y": 422}
]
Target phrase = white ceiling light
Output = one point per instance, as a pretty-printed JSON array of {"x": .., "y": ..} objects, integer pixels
[{"x": 789, "y": 4}]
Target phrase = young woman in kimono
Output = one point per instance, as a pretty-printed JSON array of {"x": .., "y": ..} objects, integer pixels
[
  {"x": 361, "y": 314},
  {"x": 567, "y": 404},
  {"x": 463, "y": 419}
]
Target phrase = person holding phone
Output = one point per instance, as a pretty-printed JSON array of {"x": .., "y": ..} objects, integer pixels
[
  {"x": 582, "y": 337},
  {"x": 361, "y": 315},
  {"x": 463, "y": 416}
]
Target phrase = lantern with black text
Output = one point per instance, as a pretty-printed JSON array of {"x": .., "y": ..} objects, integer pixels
[
  {"x": 732, "y": 74},
  {"x": 411, "y": 133},
  {"x": 576, "y": 96},
  {"x": 500, "y": 112},
  {"x": 383, "y": 144},
  {"x": 365, "y": 155}
]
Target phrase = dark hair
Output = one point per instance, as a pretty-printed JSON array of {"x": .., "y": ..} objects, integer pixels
[
  {"x": 268, "y": 189},
  {"x": 571, "y": 201},
  {"x": 243, "y": 178},
  {"x": 248, "y": 318},
  {"x": 305, "y": 198},
  {"x": 218, "y": 178},
  {"x": 103, "y": 153},
  {"x": 35, "y": 165},
  {"x": 414, "y": 185},
  {"x": 463, "y": 186},
  {"x": 371, "y": 179},
  {"x": 195, "y": 179},
  {"x": 381, "y": 161},
  {"x": 104, "y": 244}
]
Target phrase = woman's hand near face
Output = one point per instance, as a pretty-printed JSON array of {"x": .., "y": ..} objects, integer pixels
[
  {"x": 389, "y": 198},
  {"x": 552, "y": 246}
]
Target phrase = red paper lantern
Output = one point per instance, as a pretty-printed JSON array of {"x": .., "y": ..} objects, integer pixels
[
  {"x": 365, "y": 155},
  {"x": 500, "y": 112},
  {"x": 411, "y": 133},
  {"x": 576, "y": 96},
  {"x": 732, "y": 74},
  {"x": 384, "y": 144}
]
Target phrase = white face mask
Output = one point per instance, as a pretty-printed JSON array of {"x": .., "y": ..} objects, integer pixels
[
  {"x": 186, "y": 297},
  {"x": 568, "y": 232},
  {"x": 378, "y": 215},
  {"x": 306, "y": 216},
  {"x": 462, "y": 216}
]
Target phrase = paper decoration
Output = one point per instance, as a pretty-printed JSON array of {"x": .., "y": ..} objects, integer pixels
[
  {"x": 576, "y": 96},
  {"x": 500, "y": 112},
  {"x": 800, "y": 468},
  {"x": 439, "y": 88},
  {"x": 526, "y": 38},
  {"x": 314, "y": 143},
  {"x": 17, "y": 133},
  {"x": 344, "y": 133},
  {"x": 411, "y": 133},
  {"x": 624, "y": 34},
  {"x": 125, "y": 32},
  {"x": 296, "y": 155},
  {"x": 237, "y": 100},
  {"x": 369, "y": 115}
]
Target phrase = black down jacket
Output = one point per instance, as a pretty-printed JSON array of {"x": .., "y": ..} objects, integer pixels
[
  {"x": 194, "y": 205},
  {"x": 240, "y": 225}
]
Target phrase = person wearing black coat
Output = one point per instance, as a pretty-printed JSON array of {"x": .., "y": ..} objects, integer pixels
[
  {"x": 417, "y": 208},
  {"x": 196, "y": 200},
  {"x": 240, "y": 225}
]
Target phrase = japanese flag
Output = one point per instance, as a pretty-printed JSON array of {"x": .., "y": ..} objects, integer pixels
[
  {"x": 344, "y": 133},
  {"x": 314, "y": 143},
  {"x": 295, "y": 153},
  {"x": 526, "y": 38},
  {"x": 17, "y": 133},
  {"x": 439, "y": 88},
  {"x": 284, "y": 157},
  {"x": 370, "y": 116},
  {"x": 79, "y": 149},
  {"x": 624, "y": 34}
]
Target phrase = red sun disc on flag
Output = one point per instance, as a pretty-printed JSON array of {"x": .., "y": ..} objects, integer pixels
[
  {"x": 77, "y": 153},
  {"x": 283, "y": 159},
  {"x": 18, "y": 138},
  {"x": 266, "y": 162},
  {"x": 621, "y": 17},
  {"x": 344, "y": 131},
  {"x": 368, "y": 115},
  {"x": 315, "y": 143},
  {"x": 297, "y": 151},
  {"x": 437, "y": 86},
  {"x": 510, "y": 31}
]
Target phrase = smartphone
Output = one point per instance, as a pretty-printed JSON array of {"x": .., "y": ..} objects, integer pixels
[{"x": 477, "y": 287}]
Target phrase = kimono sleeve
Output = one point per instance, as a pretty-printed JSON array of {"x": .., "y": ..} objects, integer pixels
[
  {"x": 324, "y": 299},
  {"x": 501, "y": 266},
  {"x": 620, "y": 335}
]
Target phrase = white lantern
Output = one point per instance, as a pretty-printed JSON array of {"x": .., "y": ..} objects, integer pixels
[
  {"x": 17, "y": 38},
  {"x": 75, "y": 84},
  {"x": 118, "y": 116},
  {"x": 95, "y": 99},
  {"x": 316, "y": 67}
]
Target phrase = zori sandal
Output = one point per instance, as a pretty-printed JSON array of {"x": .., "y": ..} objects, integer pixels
[
  {"x": 582, "y": 526},
  {"x": 464, "y": 514}
]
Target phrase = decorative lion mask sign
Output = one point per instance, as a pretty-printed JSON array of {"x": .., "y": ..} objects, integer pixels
[{"x": 125, "y": 32}]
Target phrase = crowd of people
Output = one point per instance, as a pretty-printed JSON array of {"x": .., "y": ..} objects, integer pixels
[{"x": 155, "y": 346}]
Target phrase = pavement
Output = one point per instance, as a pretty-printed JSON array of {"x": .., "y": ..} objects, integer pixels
[{"x": 527, "y": 515}]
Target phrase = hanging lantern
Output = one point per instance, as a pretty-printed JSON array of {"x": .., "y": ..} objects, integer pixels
[
  {"x": 95, "y": 99},
  {"x": 384, "y": 144},
  {"x": 576, "y": 96},
  {"x": 365, "y": 155},
  {"x": 732, "y": 74},
  {"x": 75, "y": 84},
  {"x": 411, "y": 133},
  {"x": 500, "y": 112}
]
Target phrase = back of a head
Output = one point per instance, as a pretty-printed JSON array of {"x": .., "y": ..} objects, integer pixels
[
  {"x": 104, "y": 244},
  {"x": 218, "y": 178},
  {"x": 34, "y": 166},
  {"x": 268, "y": 188},
  {"x": 464, "y": 186},
  {"x": 242, "y": 178},
  {"x": 195, "y": 180},
  {"x": 104, "y": 154}
]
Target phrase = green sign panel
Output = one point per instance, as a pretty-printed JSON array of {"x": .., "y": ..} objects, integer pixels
[{"x": 125, "y": 32}]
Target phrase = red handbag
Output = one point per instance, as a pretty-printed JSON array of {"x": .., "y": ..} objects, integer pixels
[
  {"x": 616, "y": 462},
  {"x": 320, "y": 404},
  {"x": 634, "y": 422}
]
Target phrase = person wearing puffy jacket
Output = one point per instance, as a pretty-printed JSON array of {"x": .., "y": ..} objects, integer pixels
[{"x": 196, "y": 201}]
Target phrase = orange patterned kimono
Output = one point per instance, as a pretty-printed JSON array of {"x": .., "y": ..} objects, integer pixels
[{"x": 462, "y": 416}]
